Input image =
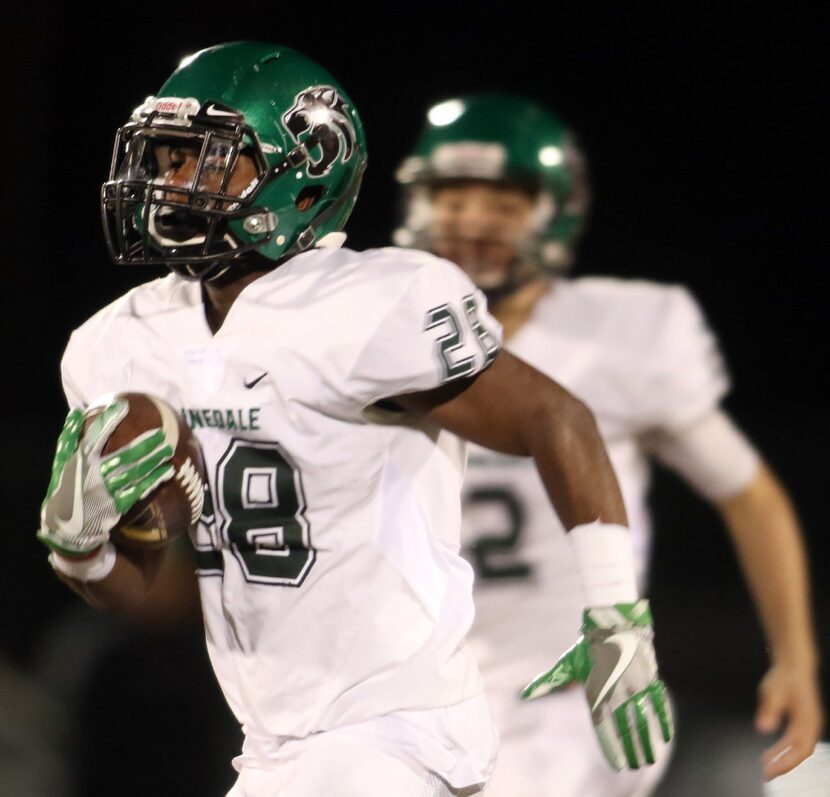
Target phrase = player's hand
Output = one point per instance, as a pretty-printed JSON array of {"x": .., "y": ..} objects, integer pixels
[
  {"x": 788, "y": 701},
  {"x": 88, "y": 492},
  {"x": 614, "y": 659}
]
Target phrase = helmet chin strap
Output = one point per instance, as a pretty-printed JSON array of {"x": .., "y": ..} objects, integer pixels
[
  {"x": 213, "y": 272},
  {"x": 231, "y": 269}
]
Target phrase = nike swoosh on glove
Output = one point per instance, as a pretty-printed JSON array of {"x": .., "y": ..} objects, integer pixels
[
  {"x": 88, "y": 491},
  {"x": 614, "y": 659}
]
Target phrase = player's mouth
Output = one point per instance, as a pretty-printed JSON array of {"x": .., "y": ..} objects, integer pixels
[{"x": 177, "y": 226}]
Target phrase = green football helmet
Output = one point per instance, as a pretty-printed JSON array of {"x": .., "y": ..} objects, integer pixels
[
  {"x": 284, "y": 112},
  {"x": 501, "y": 139}
]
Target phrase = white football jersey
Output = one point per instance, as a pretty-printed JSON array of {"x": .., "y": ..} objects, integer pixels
[
  {"x": 641, "y": 357},
  {"x": 332, "y": 585}
]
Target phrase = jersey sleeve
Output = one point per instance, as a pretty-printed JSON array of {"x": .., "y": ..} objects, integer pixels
[
  {"x": 72, "y": 376},
  {"x": 74, "y": 396},
  {"x": 685, "y": 372},
  {"x": 437, "y": 330},
  {"x": 90, "y": 369}
]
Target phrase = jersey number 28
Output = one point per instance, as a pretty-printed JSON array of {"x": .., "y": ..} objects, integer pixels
[{"x": 260, "y": 510}]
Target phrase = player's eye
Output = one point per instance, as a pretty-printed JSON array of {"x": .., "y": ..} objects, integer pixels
[
  {"x": 451, "y": 204},
  {"x": 177, "y": 158},
  {"x": 507, "y": 209}
]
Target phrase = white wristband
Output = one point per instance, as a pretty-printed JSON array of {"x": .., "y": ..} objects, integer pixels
[
  {"x": 606, "y": 563},
  {"x": 95, "y": 568}
]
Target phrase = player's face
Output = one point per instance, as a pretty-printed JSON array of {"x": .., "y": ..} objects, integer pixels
[
  {"x": 180, "y": 178},
  {"x": 481, "y": 227},
  {"x": 178, "y": 167}
]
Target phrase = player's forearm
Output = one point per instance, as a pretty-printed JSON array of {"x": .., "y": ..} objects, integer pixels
[
  {"x": 126, "y": 586},
  {"x": 513, "y": 408},
  {"x": 770, "y": 548},
  {"x": 573, "y": 464}
]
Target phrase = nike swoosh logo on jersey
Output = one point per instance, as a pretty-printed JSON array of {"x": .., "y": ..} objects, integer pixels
[
  {"x": 212, "y": 110},
  {"x": 255, "y": 380},
  {"x": 627, "y": 645}
]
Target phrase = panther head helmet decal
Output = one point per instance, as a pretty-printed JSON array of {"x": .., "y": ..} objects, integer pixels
[{"x": 321, "y": 112}]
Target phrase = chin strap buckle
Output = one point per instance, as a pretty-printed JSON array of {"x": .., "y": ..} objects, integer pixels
[{"x": 305, "y": 239}]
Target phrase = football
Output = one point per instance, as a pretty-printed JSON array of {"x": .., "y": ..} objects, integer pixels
[{"x": 174, "y": 507}]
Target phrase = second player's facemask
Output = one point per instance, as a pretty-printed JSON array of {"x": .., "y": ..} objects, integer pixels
[
  {"x": 489, "y": 229},
  {"x": 504, "y": 141}
]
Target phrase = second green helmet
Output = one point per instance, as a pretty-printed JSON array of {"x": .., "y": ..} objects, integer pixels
[{"x": 500, "y": 138}]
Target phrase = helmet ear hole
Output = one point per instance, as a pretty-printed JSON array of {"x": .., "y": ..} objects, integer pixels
[{"x": 309, "y": 196}]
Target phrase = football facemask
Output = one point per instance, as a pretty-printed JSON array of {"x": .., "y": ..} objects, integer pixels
[{"x": 155, "y": 211}]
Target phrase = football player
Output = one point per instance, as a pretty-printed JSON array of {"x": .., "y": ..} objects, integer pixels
[
  {"x": 497, "y": 185},
  {"x": 329, "y": 390}
]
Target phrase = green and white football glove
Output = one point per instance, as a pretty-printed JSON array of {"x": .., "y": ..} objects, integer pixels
[
  {"x": 89, "y": 492},
  {"x": 614, "y": 659}
]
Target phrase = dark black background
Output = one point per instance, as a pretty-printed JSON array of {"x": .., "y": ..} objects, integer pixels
[{"x": 706, "y": 141}]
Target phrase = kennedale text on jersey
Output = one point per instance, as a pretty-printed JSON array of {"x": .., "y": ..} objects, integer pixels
[{"x": 242, "y": 419}]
